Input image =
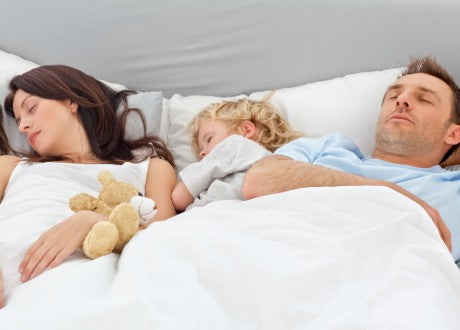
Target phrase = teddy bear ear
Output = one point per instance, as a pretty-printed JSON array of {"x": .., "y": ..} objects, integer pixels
[{"x": 105, "y": 177}]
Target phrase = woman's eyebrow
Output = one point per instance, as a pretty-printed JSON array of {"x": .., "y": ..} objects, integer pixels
[{"x": 24, "y": 101}]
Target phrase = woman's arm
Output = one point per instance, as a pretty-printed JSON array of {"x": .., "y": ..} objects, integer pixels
[
  {"x": 160, "y": 183},
  {"x": 57, "y": 243},
  {"x": 7, "y": 165}
]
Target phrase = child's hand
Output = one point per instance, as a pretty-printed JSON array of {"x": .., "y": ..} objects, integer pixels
[{"x": 57, "y": 243}]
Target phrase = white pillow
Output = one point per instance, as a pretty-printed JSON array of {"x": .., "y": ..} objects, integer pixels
[
  {"x": 150, "y": 103},
  {"x": 349, "y": 104}
]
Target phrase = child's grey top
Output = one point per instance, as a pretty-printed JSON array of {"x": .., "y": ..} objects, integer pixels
[{"x": 219, "y": 175}]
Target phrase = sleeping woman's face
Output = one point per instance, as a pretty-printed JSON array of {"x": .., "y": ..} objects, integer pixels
[{"x": 49, "y": 125}]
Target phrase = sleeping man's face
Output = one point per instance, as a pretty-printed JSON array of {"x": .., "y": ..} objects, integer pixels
[{"x": 416, "y": 116}]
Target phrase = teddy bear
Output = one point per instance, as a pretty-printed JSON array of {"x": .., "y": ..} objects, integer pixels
[{"x": 125, "y": 208}]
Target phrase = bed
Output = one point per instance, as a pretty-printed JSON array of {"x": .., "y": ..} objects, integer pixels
[{"x": 312, "y": 258}]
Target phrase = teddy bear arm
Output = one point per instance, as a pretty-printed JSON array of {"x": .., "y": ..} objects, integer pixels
[{"x": 84, "y": 201}]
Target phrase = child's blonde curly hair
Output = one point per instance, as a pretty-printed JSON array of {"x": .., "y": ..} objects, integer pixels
[{"x": 274, "y": 130}]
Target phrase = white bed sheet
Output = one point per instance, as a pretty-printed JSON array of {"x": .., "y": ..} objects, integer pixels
[{"x": 317, "y": 258}]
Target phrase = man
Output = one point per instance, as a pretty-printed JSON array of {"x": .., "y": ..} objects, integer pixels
[{"x": 417, "y": 127}]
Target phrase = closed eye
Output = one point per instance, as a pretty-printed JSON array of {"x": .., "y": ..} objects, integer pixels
[
  {"x": 392, "y": 95},
  {"x": 425, "y": 100}
]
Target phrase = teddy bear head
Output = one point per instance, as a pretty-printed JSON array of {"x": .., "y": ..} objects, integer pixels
[{"x": 115, "y": 192}]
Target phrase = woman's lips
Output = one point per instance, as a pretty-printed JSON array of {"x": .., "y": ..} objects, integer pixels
[{"x": 32, "y": 137}]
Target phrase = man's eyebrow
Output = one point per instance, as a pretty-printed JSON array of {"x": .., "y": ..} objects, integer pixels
[
  {"x": 391, "y": 88},
  {"x": 430, "y": 91},
  {"x": 394, "y": 87}
]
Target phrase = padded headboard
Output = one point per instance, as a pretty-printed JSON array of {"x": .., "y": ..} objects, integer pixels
[{"x": 221, "y": 47}]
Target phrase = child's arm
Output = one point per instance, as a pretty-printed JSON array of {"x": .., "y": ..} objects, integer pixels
[{"x": 181, "y": 197}]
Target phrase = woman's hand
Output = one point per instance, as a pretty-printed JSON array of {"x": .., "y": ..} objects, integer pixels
[{"x": 57, "y": 243}]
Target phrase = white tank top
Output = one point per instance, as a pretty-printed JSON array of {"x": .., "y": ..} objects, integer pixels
[{"x": 45, "y": 188}]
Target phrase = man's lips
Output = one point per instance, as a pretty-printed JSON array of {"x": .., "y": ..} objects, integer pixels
[
  {"x": 400, "y": 116},
  {"x": 32, "y": 137}
]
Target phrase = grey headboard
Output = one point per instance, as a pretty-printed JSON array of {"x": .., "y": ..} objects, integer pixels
[{"x": 221, "y": 47}]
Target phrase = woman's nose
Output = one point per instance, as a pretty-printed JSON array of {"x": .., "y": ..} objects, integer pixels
[{"x": 24, "y": 126}]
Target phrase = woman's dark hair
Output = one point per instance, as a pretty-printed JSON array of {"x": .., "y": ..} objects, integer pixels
[
  {"x": 4, "y": 145},
  {"x": 97, "y": 111}
]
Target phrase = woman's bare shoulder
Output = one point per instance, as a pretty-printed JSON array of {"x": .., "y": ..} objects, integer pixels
[
  {"x": 7, "y": 164},
  {"x": 160, "y": 169},
  {"x": 156, "y": 162}
]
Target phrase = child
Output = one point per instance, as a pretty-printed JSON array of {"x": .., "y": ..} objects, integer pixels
[{"x": 229, "y": 137}]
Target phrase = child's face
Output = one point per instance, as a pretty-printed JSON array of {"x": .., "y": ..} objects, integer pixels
[{"x": 210, "y": 133}]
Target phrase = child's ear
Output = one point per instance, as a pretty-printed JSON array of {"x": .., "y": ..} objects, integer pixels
[{"x": 249, "y": 129}]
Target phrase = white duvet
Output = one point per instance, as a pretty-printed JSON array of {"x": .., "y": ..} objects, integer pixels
[{"x": 318, "y": 258}]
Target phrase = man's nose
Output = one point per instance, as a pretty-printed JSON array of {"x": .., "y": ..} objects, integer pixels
[{"x": 404, "y": 100}]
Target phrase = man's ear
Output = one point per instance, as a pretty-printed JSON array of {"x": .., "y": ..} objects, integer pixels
[
  {"x": 453, "y": 135},
  {"x": 248, "y": 129}
]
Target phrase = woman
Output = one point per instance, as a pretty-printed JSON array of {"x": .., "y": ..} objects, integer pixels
[{"x": 70, "y": 120}]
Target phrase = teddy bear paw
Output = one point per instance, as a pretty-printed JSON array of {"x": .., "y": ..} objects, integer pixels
[
  {"x": 127, "y": 221},
  {"x": 101, "y": 239}
]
